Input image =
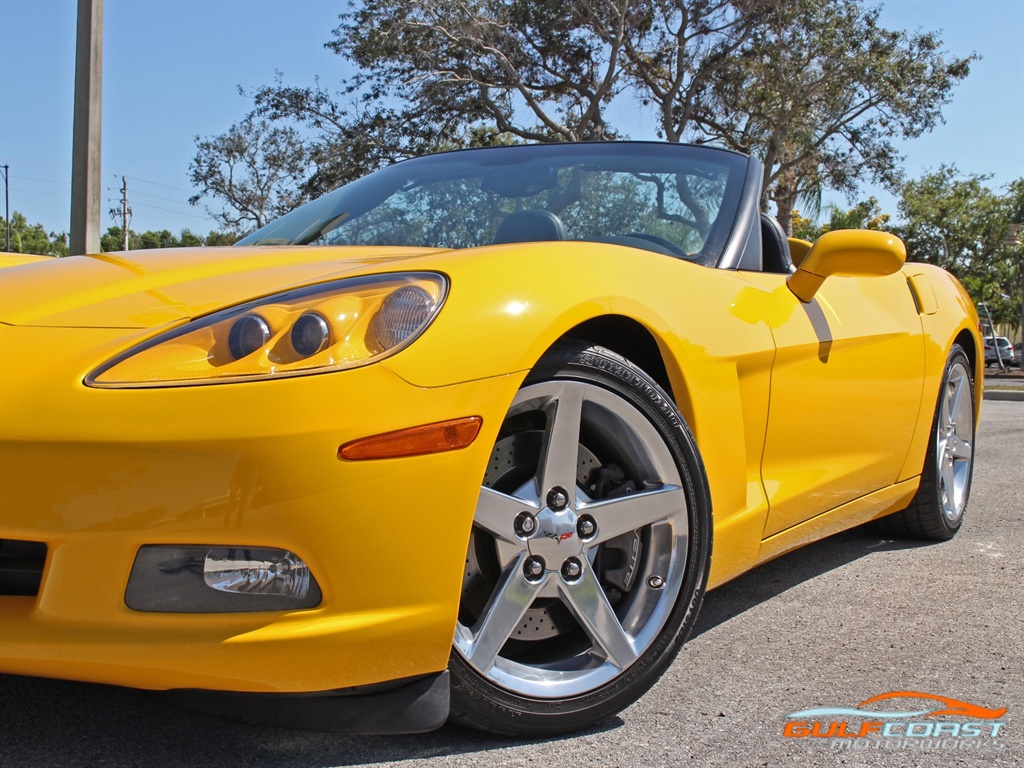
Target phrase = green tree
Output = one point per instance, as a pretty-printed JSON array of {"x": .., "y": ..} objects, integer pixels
[
  {"x": 537, "y": 69},
  {"x": 215, "y": 238},
  {"x": 162, "y": 239},
  {"x": 821, "y": 91},
  {"x": 32, "y": 238},
  {"x": 804, "y": 228},
  {"x": 816, "y": 88},
  {"x": 113, "y": 240},
  {"x": 959, "y": 223},
  {"x": 866, "y": 214},
  {"x": 190, "y": 239},
  {"x": 254, "y": 170},
  {"x": 443, "y": 74}
]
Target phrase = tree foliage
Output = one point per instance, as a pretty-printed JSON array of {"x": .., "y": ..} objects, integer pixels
[
  {"x": 113, "y": 239},
  {"x": 821, "y": 91},
  {"x": 818, "y": 89},
  {"x": 32, "y": 238},
  {"x": 866, "y": 214},
  {"x": 482, "y": 61},
  {"x": 254, "y": 170},
  {"x": 959, "y": 223}
]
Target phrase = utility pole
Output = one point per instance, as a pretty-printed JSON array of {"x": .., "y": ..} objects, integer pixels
[
  {"x": 7, "y": 206},
  {"x": 124, "y": 213},
  {"x": 85, "y": 156}
]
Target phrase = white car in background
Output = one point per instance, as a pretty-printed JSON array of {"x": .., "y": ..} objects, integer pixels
[{"x": 1006, "y": 352}]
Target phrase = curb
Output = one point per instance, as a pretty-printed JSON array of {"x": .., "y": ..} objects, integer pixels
[{"x": 1004, "y": 394}]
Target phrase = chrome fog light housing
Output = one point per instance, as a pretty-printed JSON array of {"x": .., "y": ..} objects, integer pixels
[{"x": 204, "y": 579}]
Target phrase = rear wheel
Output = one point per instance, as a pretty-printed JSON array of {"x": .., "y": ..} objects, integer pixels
[
  {"x": 938, "y": 509},
  {"x": 589, "y": 552}
]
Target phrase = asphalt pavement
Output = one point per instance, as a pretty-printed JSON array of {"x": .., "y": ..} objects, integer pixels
[{"x": 831, "y": 625}]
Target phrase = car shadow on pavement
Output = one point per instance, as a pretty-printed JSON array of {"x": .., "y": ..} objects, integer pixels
[
  {"x": 63, "y": 723},
  {"x": 792, "y": 569}
]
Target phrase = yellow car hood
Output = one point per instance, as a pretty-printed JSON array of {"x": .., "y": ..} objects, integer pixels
[{"x": 144, "y": 289}]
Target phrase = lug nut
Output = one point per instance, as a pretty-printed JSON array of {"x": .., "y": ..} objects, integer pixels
[
  {"x": 571, "y": 569},
  {"x": 533, "y": 568},
  {"x": 525, "y": 525},
  {"x": 558, "y": 498},
  {"x": 586, "y": 527}
]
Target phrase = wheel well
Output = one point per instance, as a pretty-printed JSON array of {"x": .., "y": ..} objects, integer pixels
[
  {"x": 966, "y": 340},
  {"x": 628, "y": 338}
]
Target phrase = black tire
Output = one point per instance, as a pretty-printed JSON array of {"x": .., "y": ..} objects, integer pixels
[
  {"x": 580, "y": 591},
  {"x": 938, "y": 509}
]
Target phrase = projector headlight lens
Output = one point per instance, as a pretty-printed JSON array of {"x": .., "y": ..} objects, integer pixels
[
  {"x": 248, "y": 334},
  {"x": 310, "y": 334}
]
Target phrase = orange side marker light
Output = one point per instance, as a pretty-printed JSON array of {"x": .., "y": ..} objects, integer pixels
[{"x": 414, "y": 441}]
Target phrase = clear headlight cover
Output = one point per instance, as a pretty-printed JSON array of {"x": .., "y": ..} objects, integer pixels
[{"x": 315, "y": 329}]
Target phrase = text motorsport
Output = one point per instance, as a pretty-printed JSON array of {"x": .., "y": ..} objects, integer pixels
[{"x": 922, "y": 729}]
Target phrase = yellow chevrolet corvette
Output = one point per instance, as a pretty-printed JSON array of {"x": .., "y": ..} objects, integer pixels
[{"x": 467, "y": 438}]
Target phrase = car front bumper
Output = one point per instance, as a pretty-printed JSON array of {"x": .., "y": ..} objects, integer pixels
[{"x": 97, "y": 474}]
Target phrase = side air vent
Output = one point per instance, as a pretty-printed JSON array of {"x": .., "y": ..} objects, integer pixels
[{"x": 21, "y": 567}]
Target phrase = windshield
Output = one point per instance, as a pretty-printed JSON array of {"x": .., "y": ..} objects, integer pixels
[{"x": 669, "y": 198}]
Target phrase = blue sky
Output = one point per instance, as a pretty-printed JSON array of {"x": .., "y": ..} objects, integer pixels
[{"x": 172, "y": 69}]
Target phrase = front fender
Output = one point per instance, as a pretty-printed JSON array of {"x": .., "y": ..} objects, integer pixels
[{"x": 509, "y": 304}]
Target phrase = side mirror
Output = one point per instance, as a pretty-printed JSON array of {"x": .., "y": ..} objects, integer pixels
[{"x": 847, "y": 253}]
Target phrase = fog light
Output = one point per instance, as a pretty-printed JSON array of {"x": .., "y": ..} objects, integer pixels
[
  {"x": 256, "y": 572},
  {"x": 197, "y": 579}
]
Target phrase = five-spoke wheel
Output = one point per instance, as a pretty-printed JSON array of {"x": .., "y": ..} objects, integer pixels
[{"x": 589, "y": 549}]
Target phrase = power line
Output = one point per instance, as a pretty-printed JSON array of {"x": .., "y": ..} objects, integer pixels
[
  {"x": 41, "y": 165},
  {"x": 158, "y": 184},
  {"x": 179, "y": 213},
  {"x": 40, "y": 192},
  {"x": 44, "y": 181},
  {"x": 123, "y": 176},
  {"x": 157, "y": 197}
]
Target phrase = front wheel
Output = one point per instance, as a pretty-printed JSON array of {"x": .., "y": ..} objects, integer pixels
[{"x": 589, "y": 552}]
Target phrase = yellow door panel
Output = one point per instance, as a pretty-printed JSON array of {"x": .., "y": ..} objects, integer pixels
[{"x": 845, "y": 394}]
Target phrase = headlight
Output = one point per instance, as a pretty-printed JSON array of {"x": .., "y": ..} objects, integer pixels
[{"x": 319, "y": 328}]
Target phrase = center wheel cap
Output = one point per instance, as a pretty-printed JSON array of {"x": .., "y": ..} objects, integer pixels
[{"x": 556, "y": 537}]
